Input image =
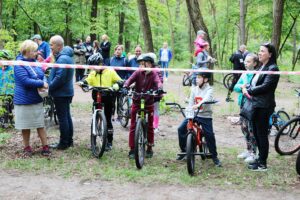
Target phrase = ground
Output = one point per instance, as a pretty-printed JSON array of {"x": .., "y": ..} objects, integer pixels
[{"x": 18, "y": 184}]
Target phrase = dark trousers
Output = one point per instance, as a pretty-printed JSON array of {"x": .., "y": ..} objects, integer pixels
[
  {"x": 207, "y": 127},
  {"x": 108, "y": 109},
  {"x": 79, "y": 74},
  {"x": 62, "y": 106},
  {"x": 260, "y": 130},
  {"x": 235, "y": 79}
]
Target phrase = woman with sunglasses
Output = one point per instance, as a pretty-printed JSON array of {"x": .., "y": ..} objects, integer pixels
[{"x": 262, "y": 90}]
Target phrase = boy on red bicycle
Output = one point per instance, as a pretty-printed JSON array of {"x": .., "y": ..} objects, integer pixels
[
  {"x": 202, "y": 92},
  {"x": 144, "y": 80},
  {"x": 103, "y": 78}
]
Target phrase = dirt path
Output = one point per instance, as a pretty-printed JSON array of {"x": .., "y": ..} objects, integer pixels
[
  {"x": 22, "y": 185},
  {"x": 16, "y": 185}
]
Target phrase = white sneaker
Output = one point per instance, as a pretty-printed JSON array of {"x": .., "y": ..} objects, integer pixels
[
  {"x": 156, "y": 131},
  {"x": 250, "y": 159},
  {"x": 244, "y": 155}
]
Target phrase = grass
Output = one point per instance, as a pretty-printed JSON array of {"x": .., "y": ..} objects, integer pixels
[{"x": 4, "y": 137}]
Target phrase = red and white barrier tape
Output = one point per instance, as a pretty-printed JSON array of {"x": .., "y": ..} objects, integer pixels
[{"x": 51, "y": 65}]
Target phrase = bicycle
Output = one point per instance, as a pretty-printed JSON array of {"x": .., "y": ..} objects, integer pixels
[
  {"x": 6, "y": 113},
  {"x": 228, "y": 82},
  {"x": 49, "y": 110},
  {"x": 287, "y": 141},
  {"x": 123, "y": 108},
  {"x": 187, "y": 79},
  {"x": 279, "y": 119},
  {"x": 195, "y": 137},
  {"x": 99, "y": 129},
  {"x": 141, "y": 129}
]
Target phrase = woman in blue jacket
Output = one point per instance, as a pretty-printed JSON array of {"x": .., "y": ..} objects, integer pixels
[{"x": 29, "y": 112}]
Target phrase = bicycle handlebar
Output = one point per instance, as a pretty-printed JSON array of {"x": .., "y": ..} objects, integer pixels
[
  {"x": 149, "y": 93},
  {"x": 87, "y": 88}
]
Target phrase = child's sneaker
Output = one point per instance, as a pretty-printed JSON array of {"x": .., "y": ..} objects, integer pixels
[
  {"x": 131, "y": 154},
  {"x": 156, "y": 131},
  {"x": 149, "y": 152},
  {"x": 258, "y": 167},
  {"x": 250, "y": 158},
  {"x": 243, "y": 155},
  {"x": 46, "y": 151},
  {"x": 217, "y": 162},
  {"x": 27, "y": 152}
]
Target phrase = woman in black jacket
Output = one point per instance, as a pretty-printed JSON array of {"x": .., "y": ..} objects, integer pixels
[{"x": 262, "y": 89}]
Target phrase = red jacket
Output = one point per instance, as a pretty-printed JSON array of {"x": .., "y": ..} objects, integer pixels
[{"x": 144, "y": 82}]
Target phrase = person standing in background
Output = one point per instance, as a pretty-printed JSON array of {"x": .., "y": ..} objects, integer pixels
[
  {"x": 89, "y": 48},
  {"x": 43, "y": 48},
  {"x": 165, "y": 56},
  {"x": 105, "y": 49},
  {"x": 79, "y": 55}
]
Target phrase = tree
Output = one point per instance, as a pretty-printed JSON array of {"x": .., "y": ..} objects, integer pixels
[
  {"x": 1, "y": 3},
  {"x": 93, "y": 19},
  {"x": 277, "y": 22},
  {"x": 145, "y": 23},
  {"x": 242, "y": 28}
]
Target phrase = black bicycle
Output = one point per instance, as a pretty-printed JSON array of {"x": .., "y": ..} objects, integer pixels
[
  {"x": 187, "y": 79},
  {"x": 287, "y": 141},
  {"x": 123, "y": 108},
  {"x": 49, "y": 110},
  {"x": 6, "y": 111},
  {"x": 228, "y": 81}
]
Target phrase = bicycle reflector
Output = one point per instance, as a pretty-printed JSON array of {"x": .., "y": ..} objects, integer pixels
[{"x": 189, "y": 113}]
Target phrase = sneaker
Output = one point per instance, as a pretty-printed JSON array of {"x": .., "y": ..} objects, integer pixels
[
  {"x": 250, "y": 159},
  {"x": 27, "y": 152},
  {"x": 149, "y": 153},
  {"x": 244, "y": 155},
  {"x": 217, "y": 162},
  {"x": 46, "y": 151},
  {"x": 131, "y": 154},
  {"x": 156, "y": 131},
  {"x": 108, "y": 146},
  {"x": 273, "y": 133},
  {"x": 258, "y": 167},
  {"x": 181, "y": 156}
]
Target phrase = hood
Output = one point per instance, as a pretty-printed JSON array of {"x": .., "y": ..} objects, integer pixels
[
  {"x": 66, "y": 51},
  {"x": 21, "y": 57}
]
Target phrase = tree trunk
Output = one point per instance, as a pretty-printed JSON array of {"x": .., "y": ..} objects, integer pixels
[
  {"x": 127, "y": 45},
  {"x": 172, "y": 31},
  {"x": 177, "y": 10},
  {"x": 93, "y": 19},
  {"x": 1, "y": 3},
  {"x": 278, "y": 6},
  {"x": 242, "y": 28},
  {"x": 197, "y": 19},
  {"x": 35, "y": 28},
  {"x": 294, "y": 43},
  {"x": 68, "y": 34},
  {"x": 145, "y": 25},
  {"x": 106, "y": 20},
  {"x": 191, "y": 42},
  {"x": 14, "y": 16},
  {"x": 121, "y": 27}
]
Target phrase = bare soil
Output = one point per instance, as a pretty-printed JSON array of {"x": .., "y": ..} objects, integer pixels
[{"x": 24, "y": 185}]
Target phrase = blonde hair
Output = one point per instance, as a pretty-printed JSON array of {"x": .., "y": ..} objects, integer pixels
[
  {"x": 105, "y": 37},
  {"x": 119, "y": 45},
  {"x": 28, "y": 46}
]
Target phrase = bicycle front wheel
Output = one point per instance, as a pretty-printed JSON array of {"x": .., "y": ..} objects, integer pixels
[
  {"x": 282, "y": 119},
  {"x": 139, "y": 144},
  {"x": 288, "y": 144},
  {"x": 190, "y": 153},
  {"x": 124, "y": 111},
  {"x": 227, "y": 80},
  {"x": 298, "y": 163},
  {"x": 99, "y": 138}
]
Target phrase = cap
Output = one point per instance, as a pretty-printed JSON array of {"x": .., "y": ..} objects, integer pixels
[
  {"x": 200, "y": 32},
  {"x": 36, "y": 36}
]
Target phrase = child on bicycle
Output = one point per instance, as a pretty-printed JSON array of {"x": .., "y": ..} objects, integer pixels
[
  {"x": 200, "y": 94},
  {"x": 7, "y": 81},
  {"x": 144, "y": 80},
  {"x": 251, "y": 63},
  {"x": 103, "y": 78}
]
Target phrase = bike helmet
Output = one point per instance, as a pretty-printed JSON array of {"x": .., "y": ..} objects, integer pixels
[
  {"x": 205, "y": 74},
  {"x": 95, "y": 59},
  {"x": 148, "y": 59},
  {"x": 4, "y": 54}
]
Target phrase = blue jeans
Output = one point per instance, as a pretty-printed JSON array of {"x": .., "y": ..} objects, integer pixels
[
  {"x": 165, "y": 65},
  {"x": 62, "y": 106},
  {"x": 207, "y": 127}
]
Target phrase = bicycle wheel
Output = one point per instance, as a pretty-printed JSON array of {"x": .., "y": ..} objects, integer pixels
[
  {"x": 186, "y": 81},
  {"x": 203, "y": 149},
  {"x": 98, "y": 140},
  {"x": 190, "y": 153},
  {"x": 287, "y": 144},
  {"x": 298, "y": 164},
  {"x": 281, "y": 120},
  {"x": 124, "y": 111},
  {"x": 139, "y": 144},
  {"x": 227, "y": 80}
]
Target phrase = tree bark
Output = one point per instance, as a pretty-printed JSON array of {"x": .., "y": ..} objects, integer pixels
[
  {"x": 93, "y": 19},
  {"x": 121, "y": 27},
  {"x": 172, "y": 31},
  {"x": 294, "y": 44},
  {"x": 68, "y": 33},
  {"x": 278, "y": 6},
  {"x": 177, "y": 10},
  {"x": 106, "y": 20},
  {"x": 197, "y": 19},
  {"x": 1, "y": 3},
  {"x": 146, "y": 27},
  {"x": 242, "y": 28}
]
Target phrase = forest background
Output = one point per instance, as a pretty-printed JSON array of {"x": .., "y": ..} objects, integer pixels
[{"x": 228, "y": 23}]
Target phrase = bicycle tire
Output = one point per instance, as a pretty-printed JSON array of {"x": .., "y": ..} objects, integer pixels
[
  {"x": 298, "y": 164},
  {"x": 203, "y": 148},
  {"x": 190, "y": 153},
  {"x": 282, "y": 119},
  {"x": 98, "y": 141},
  {"x": 288, "y": 144},
  {"x": 124, "y": 111},
  {"x": 186, "y": 80},
  {"x": 139, "y": 144},
  {"x": 227, "y": 80}
]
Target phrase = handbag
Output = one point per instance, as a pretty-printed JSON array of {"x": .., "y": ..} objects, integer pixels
[
  {"x": 247, "y": 110},
  {"x": 41, "y": 91}
]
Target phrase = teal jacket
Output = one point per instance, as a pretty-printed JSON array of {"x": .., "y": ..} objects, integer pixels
[
  {"x": 7, "y": 82},
  {"x": 244, "y": 79}
]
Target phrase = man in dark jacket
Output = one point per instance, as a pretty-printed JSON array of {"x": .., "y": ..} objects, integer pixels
[{"x": 62, "y": 91}]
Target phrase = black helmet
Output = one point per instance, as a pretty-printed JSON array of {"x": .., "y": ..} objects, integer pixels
[
  {"x": 4, "y": 54},
  {"x": 95, "y": 59},
  {"x": 205, "y": 74},
  {"x": 148, "y": 59}
]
